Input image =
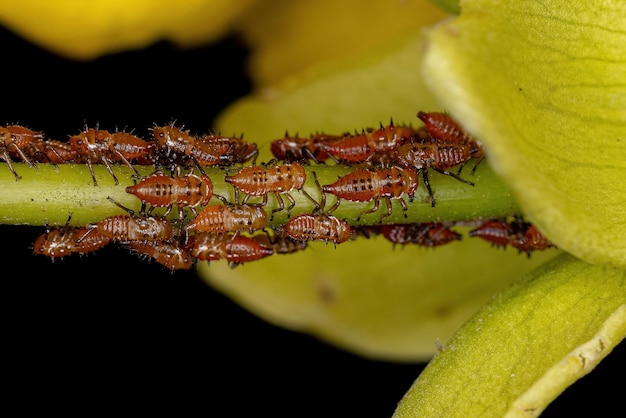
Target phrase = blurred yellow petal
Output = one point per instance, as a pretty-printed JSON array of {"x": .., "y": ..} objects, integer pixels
[
  {"x": 287, "y": 36},
  {"x": 526, "y": 346},
  {"x": 370, "y": 299},
  {"x": 83, "y": 29},
  {"x": 363, "y": 296},
  {"x": 544, "y": 87}
]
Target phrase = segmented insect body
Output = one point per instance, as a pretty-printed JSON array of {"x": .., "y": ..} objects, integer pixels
[
  {"x": 178, "y": 146},
  {"x": 427, "y": 234},
  {"x": 135, "y": 228},
  {"x": 370, "y": 144},
  {"x": 438, "y": 156},
  {"x": 160, "y": 190},
  {"x": 236, "y": 249},
  {"x": 60, "y": 242},
  {"x": 364, "y": 185},
  {"x": 168, "y": 254},
  {"x": 278, "y": 180},
  {"x": 295, "y": 148},
  {"x": 317, "y": 227},
  {"x": 53, "y": 152},
  {"x": 220, "y": 219},
  {"x": 280, "y": 242},
  {"x": 101, "y": 146},
  {"x": 521, "y": 235},
  {"x": 442, "y": 127},
  {"x": 232, "y": 150},
  {"x": 14, "y": 139}
]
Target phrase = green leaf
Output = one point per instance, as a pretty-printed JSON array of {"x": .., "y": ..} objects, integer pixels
[
  {"x": 543, "y": 86},
  {"x": 523, "y": 348}
]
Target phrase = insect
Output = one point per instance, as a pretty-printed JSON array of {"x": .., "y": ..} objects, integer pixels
[
  {"x": 295, "y": 148},
  {"x": 316, "y": 226},
  {"x": 236, "y": 249},
  {"x": 101, "y": 146},
  {"x": 220, "y": 219},
  {"x": 278, "y": 180},
  {"x": 161, "y": 190},
  {"x": 364, "y": 185},
  {"x": 523, "y": 236},
  {"x": 132, "y": 227},
  {"x": 426, "y": 234},
  {"x": 13, "y": 140},
  {"x": 54, "y": 152},
  {"x": 369, "y": 143},
  {"x": 179, "y": 146},
  {"x": 438, "y": 156},
  {"x": 60, "y": 242},
  {"x": 442, "y": 127},
  {"x": 167, "y": 253},
  {"x": 281, "y": 242}
]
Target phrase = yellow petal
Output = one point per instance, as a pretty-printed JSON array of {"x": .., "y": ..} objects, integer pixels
[
  {"x": 544, "y": 87},
  {"x": 287, "y": 36},
  {"x": 363, "y": 296},
  {"x": 526, "y": 346},
  {"x": 82, "y": 29}
]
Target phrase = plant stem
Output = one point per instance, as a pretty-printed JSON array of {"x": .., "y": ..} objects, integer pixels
[{"x": 47, "y": 194}]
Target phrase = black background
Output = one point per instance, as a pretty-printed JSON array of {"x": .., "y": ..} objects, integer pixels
[{"x": 115, "y": 333}]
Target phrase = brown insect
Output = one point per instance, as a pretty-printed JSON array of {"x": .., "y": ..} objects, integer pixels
[
  {"x": 101, "y": 146},
  {"x": 427, "y": 234},
  {"x": 438, "y": 156},
  {"x": 443, "y": 128},
  {"x": 14, "y": 139},
  {"x": 161, "y": 190},
  {"x": 316, "y": 226},
  {"x": 179, "y": 146},
  {"x": 60, "y": 242},
  {"x": 236, "y": 249},
  {"x": 364, "y": 185},
  {"x": 370, "y": 144},
  {"x": 519, "y": 234},
  {"x": 133, "y": 227},
  {"x": 278, "y": 180},
  {"x": 280, "y": 242},
  {"x": 295, "y": 148},
  {"x": 220, "y": 219},
  {"x": 53, "y": 152},
  {"x": 169, "y": 254}
]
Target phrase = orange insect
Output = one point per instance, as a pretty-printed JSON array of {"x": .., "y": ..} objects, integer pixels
[
  {"x": 370, "y": 144},
  {"x": 220, "y": 219},
  {"x": 58, "y": 243},
  {"x": 101, "y": 146},
  {"x": 427, "y": 234},
  {"x": 316, "y": 226},
  {"x": 295, "y": 148},
  {"x": 364, "y": 185},
  {"x": 14, "y": 139},
  {"x": 442, "y": 127},
  {"x": 236, "y": 249},
  {"x": 278, "y": 180},
  {"x": 438, "y": 156},
  {"x": 519, "y": 234},
  {"x": 54, "y": 152},
  {"x": 168, "y": 254},
  {"x": 133, "y": 227},
  {"x": 160, "y": 190},
  {"x": 178, "y": 146}
]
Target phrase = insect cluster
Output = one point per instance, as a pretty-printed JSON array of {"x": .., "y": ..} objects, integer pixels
[{"x": 386, "y": 165}]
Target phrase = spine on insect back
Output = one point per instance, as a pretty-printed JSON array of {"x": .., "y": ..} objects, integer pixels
[{"x": 189, "y": 197}]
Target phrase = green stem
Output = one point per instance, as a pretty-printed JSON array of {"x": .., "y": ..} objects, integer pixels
[{"x": 48, "y": 194}]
